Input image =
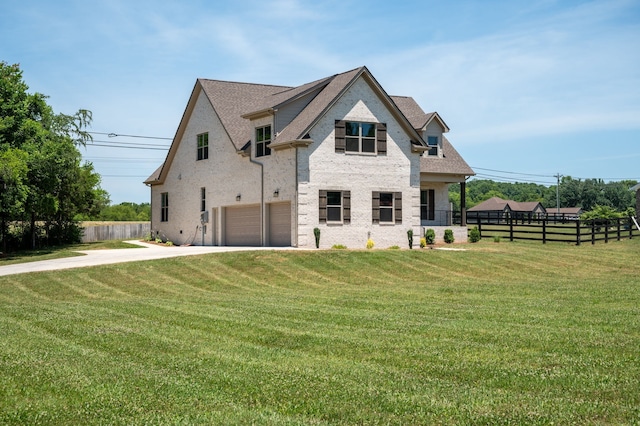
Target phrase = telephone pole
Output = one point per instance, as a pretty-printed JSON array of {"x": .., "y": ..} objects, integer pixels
[{"x": 558, "y": 176}]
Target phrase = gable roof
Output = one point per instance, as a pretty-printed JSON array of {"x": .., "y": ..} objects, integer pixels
[{"x": 235, "y": 103}]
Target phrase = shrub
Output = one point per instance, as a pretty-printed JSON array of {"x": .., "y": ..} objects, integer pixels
[
  {"x": 394, "y": 248},
  {"x": 496, "y": 238},
  {"x": 430, "y": 236},
  {"x": 339, "y": 247},
  {"x": 170, "y": 243},
  {"x": 423, "y": 242},
  {"x": 474, "y": 235},
  {"x": 316, "y": 233},
  {"x": 448, "y": 236},
  {"x": 370, "y": 243},
  {"x": 410, "y": 238}
]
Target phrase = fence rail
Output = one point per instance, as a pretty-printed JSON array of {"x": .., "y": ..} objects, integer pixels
[
  {"x": 119, "y": 231},
  {"x": 553, "y": 230}
]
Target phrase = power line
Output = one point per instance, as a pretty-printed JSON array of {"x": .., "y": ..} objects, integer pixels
[
  {"x": 127, "y": 147},
  {"x": 115, "y": 135}
]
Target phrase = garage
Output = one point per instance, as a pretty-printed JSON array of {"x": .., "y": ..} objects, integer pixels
[
  {"x": 280, "y": 224},
  {"x": 242, "y": 226}
]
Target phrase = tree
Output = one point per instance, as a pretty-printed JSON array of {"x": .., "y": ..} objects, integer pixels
[{"x": 48, "y": 185}]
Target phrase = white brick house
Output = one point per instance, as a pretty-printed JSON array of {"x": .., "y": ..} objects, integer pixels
[{"x": 262, "y": 165}]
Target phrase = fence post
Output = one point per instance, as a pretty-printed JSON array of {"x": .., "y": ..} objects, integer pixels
[
  {"x": 511, "y": 229},
  {"x": 606, "y": 231},
  {"x": 593, "y": 231},
  {"x": 544, "y": 232},
  {"x": 578, "y": 232},
  {"x": 618, "y": 230},
  {"x": 630, "y": 222}
]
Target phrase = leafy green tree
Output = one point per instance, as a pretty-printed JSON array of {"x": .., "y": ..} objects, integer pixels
[{"x": 56, "y": 186}]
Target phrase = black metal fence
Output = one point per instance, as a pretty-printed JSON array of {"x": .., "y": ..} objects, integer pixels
[{"x": 553, "y": 228}]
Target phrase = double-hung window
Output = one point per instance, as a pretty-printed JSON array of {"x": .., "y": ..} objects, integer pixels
[
  {"x": 360, "y": 137},
  {"x": 387, "y": 207},
  {"x": 432, "y": 141},
  {"x": 263, "y": 140},
  {"x": 203, "y": 199},
  {"x": 203, "y": 146},
  {"x": 335, "y": 207},
  {"x": 164, "y": 207}
]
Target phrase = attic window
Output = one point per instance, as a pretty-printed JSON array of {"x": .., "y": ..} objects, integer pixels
[
  {"x": 263, "y": 140},
  {"x": 432, "y": 141}
]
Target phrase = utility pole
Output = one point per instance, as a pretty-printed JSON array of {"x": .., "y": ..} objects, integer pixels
[{"x": 558, "y": 176}]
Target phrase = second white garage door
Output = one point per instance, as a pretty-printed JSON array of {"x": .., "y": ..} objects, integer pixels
[
  {"x": 280, "y": 224},
  {"x": 242, "y": 226}
]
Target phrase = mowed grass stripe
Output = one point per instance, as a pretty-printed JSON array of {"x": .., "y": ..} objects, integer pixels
[{"x": 330, "y": 337}]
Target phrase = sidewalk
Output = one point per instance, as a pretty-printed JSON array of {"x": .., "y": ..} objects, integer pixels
[{"x": 106, "y": 257}]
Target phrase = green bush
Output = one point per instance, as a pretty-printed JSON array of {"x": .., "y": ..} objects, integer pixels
[
  {"x": 339, "y": 247},
  {"x": 474, "y": 235},
  {"x": 496, "y": 238},
  {"x": 423, "y": 242},
  {"x": 316, "y": 233},
  {"x": 410, "y": 238},
  {"x": 448, "y": 236},
  {"x": 430, "y": 236},
  {"x": 394, "y": 248}
]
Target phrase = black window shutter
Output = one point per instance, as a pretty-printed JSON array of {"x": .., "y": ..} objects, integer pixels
[
  {"x": 432, "y": 204},
  {"x": 346, "y": 206},
  {"x": 322, "y": 213},
  {"x": 340, "y": 136},
  {"x": 381, "y": 138},
  {"x": 397, "y": 206},
  {"x": 375, "y": 206}
]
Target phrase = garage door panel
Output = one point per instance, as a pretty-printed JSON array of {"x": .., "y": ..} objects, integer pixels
[
  {"x": 280, "y": 224},
  {"x": 242, "y": 226}
]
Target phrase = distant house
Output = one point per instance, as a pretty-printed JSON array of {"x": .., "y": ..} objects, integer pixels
[
  {"x": 569, "y": 213},
  {"x": 496, "y": 209}
]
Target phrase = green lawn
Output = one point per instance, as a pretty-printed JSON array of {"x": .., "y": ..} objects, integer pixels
[{"x": 508, "y": 333}]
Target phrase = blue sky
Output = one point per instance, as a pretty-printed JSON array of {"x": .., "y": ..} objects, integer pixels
[{"x": 528, "y": 88}]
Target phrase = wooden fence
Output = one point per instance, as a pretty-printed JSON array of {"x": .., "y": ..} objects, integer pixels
[
  {"x": 552, "y": 230},
  {"x": 116, "y": 231}
]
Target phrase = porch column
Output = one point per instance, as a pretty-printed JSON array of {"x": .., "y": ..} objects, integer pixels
[{"x": 463, "y": 203}]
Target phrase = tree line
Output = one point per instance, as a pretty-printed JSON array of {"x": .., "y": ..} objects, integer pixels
[{"x": 588, "y": 194}]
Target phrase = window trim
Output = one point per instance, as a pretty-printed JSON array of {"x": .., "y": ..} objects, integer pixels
[
  {"x": 360, "y": 138},
  {"x": 203, "y": 199},
  {"x": 164, "y": 207},
  {"x": 345, "y": 207},
  {"x": 264, "y": 143},
  {"x": 202, "y": 151},
  {"x": 396, "y": 208}
]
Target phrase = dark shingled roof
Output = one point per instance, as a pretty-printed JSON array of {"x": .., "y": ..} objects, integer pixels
[
  {"x": 233, "y": 102},
  {"x": 451, "y": 163}
]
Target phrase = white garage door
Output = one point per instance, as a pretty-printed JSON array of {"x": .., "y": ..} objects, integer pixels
[
  {"x": 280, "y": 225},
  {"x": 242, "y": 226}
]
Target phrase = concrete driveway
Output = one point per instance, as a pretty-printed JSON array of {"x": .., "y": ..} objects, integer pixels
[{"x": 106, "y": 257}]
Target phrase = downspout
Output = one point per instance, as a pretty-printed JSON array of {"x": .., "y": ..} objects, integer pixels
[
  {"x": 295, "y": 203},
  {"x": 262, "y": 218}
]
